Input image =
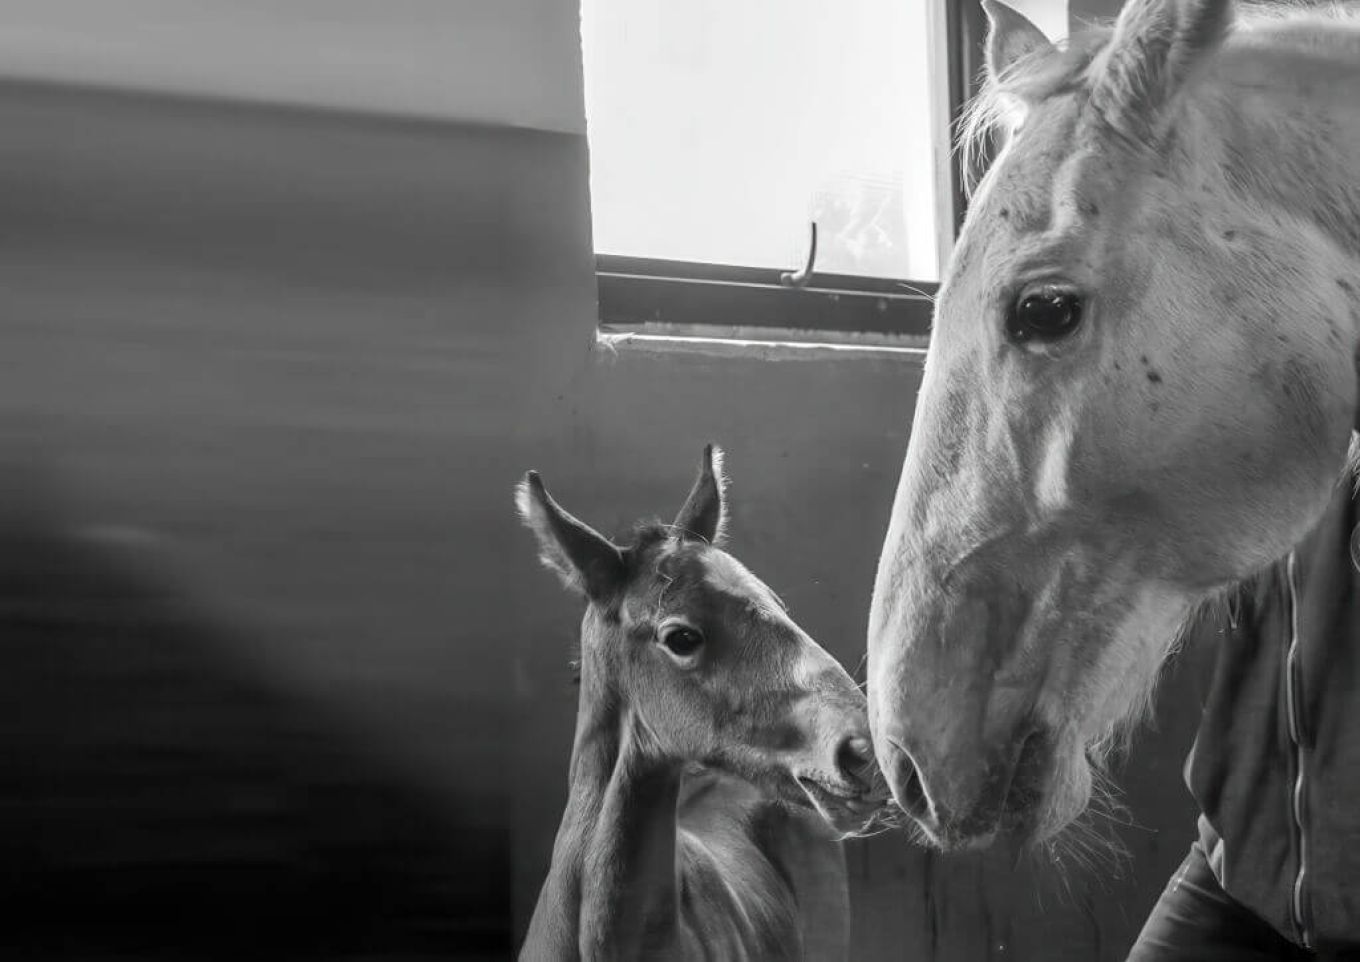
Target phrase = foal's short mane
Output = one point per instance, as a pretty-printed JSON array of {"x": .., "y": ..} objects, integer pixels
[
  {"x": 646, "y": 539},
  {"x": 1065, "y": 68}
]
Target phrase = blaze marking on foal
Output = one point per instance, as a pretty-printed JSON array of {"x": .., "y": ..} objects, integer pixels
[
  {"x": 1140, "y": 389},
  {"x": 717, "y": 747}
]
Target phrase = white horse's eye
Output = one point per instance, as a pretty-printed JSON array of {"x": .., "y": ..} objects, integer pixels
[{"x": 1045, "y": 314}]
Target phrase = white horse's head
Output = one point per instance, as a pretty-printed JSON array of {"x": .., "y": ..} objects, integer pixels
[{"x": 1140, "y": 386}]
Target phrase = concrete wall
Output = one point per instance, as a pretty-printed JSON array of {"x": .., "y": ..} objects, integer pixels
[
  {"x": 263, "y": 378},
  {"x": 260, "y": 408},
  {"x": 480, "y": 61}
]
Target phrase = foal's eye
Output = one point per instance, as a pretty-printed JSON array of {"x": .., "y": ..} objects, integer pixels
[
  {"x": 1045, "y": 314},
  {"x": 682, "y": 641}
]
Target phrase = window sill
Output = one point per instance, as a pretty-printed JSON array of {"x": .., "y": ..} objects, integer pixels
[{"x": 761, "y": 343}]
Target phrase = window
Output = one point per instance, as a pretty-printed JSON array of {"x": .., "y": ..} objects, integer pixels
[{"x": 721, "y": 130}]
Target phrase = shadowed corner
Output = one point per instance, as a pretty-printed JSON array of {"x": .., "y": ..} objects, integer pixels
[{"x": 164, "y": 801}]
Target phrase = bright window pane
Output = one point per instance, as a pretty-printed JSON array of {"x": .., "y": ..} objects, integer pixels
[{"x": 719, "y": 128}]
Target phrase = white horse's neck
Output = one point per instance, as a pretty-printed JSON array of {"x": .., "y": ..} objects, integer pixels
[
  {"x": 1285, "y": 111},
  {"x": 612, "y": 886}
]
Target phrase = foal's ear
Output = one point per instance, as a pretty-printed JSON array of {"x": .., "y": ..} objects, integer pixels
[
  {"x": 1010, "y": 37},
  {"x": 704, "y": 516},
  {"x": 584, "y": 559},
  {"x": 1157, "y": 45}
]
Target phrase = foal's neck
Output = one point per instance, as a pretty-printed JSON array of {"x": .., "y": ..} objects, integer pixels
[{"x": 611, "y": 890}]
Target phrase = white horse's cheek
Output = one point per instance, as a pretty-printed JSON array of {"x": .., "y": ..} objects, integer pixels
[{"x": 1132, "y": 661}]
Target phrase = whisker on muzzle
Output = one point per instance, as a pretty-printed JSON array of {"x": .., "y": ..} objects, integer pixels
[
  {"x": 1090, "y": 846},
  {"x": 891, "y": 818}
]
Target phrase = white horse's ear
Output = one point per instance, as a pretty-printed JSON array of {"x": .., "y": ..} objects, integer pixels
[
  {"x": 1011, "y": 36},
  {"x": 704, "y": 516},
  {"x": 584, "y": 559},
  {"x": 1156, "y": 47}
]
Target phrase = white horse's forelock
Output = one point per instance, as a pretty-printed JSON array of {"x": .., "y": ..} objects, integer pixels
[{"x": 1000, "y": 105}]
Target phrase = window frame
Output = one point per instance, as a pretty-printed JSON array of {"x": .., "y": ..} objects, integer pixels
[{"x": 648, "y": 295}]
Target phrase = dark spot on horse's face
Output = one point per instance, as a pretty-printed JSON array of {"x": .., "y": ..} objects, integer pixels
[
  {"x": 1154, "y": 377},
  {"x": 1117, "y": 367},
  {"x": 1003, "y": 213},
  {"x": 1144, "y": 359},
  {"x": 1089, "y": 207},
  {"x": 1229, "y": 235},
  {"x": 1346, "y": 286}
]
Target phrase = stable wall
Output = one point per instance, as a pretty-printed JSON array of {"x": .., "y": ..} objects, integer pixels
[{"x": 260, "y": 417}]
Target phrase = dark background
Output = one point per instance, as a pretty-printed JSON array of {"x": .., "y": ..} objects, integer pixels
[{"x": 281, "y": 675}]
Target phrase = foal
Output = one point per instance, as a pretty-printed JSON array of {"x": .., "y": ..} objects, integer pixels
[{"x": 716, "y": 747}]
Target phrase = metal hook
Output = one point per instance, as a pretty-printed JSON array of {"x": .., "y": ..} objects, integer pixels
[{"x": 800, "y": 278}]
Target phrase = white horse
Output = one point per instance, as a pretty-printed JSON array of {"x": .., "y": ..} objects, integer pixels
[{"x": 1140, "y": 388}]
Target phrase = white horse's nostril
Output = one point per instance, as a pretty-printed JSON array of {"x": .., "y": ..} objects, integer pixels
[{"x": 907, "y": 787}]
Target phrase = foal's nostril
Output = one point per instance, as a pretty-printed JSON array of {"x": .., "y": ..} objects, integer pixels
[{"x": 855, "y": 760}]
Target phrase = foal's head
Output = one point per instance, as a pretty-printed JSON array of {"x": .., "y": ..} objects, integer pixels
[
  {"x": 702, "y": 660},
  {"x": 1140, "y": 386}
]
